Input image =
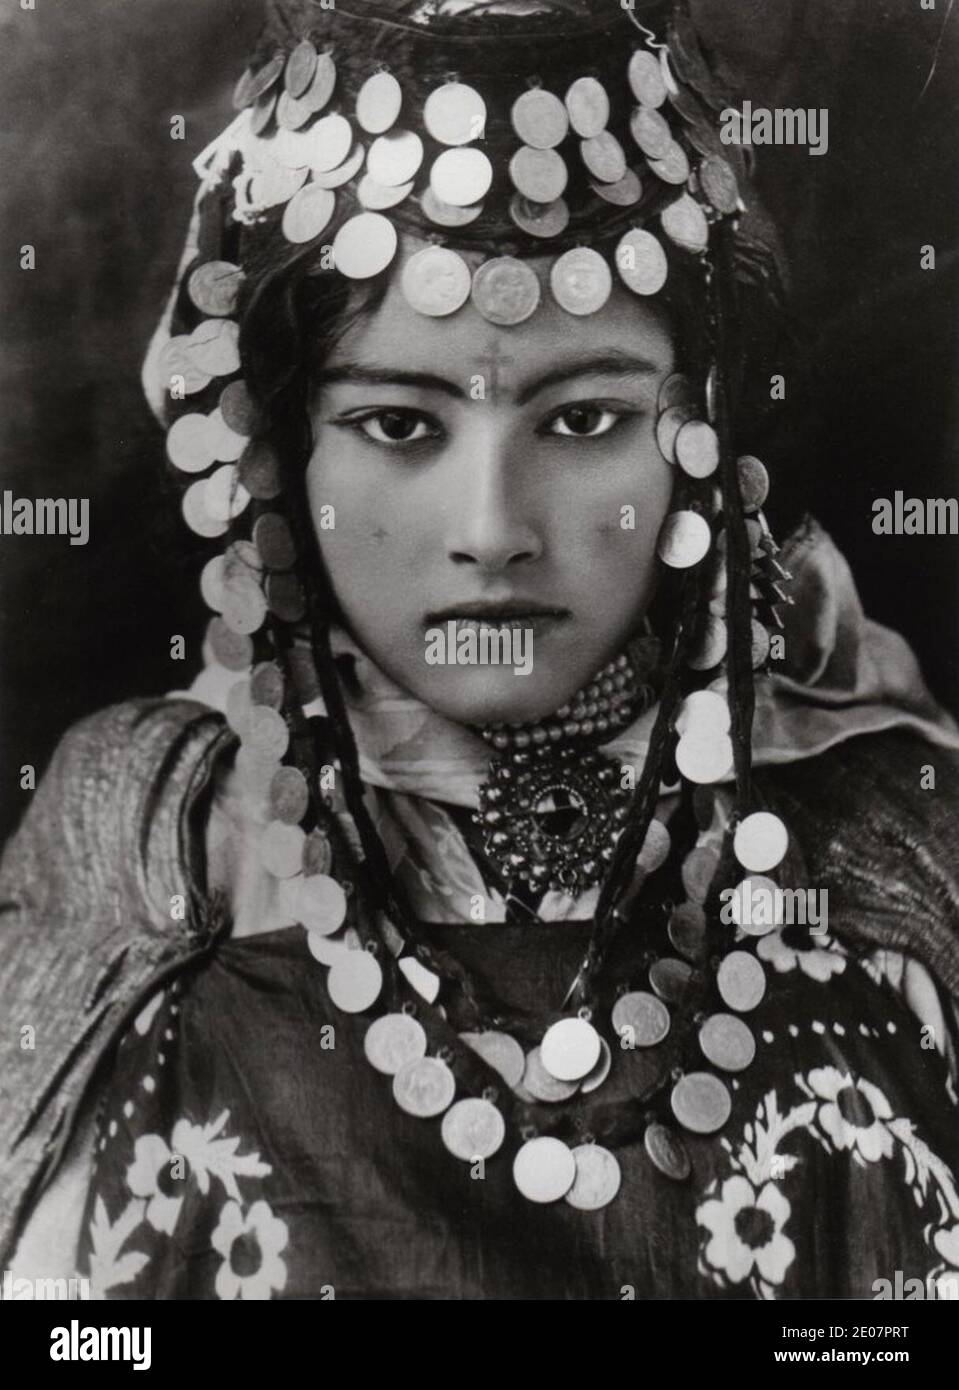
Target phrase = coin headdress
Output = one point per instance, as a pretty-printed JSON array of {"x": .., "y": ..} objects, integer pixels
[{"x": 515, "y": 130}]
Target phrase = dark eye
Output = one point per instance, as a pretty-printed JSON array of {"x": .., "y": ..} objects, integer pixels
[
  {"x": 396, "y": 427},
  {"x": 584, "y": 421}
]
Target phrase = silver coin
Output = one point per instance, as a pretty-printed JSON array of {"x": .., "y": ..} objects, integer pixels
[
  {"x": 379, "y": 103},
  {"x": 673, "y": 167},
  {"x": 284, "y": 596},
  {"x": 244, "y": 605},
  {"x": 539, "y": 175},
  {"x": 308, "y": 213},
  {"x": 687, "y": 929},
  {"x": 239, "y": 708},
  {"x": 323, "y": 83},
  {"x": 377, "y": 197},
  {"x": 392, "y": 1041},
  {"x": 238, "y": 409},
  {"x": 289, "y": 793},
  {"x": 539, "y": 219},
  {"x": 281, "y": 848},
  {"x": 259, "y": 471},
  {"x": 544, "y": 1169},
  {"x": 274, "y": 541},
  {"x": 588, "y": 107},
  {"x": 697, "y": 449},
  {"x": 355, "y": 982},
  {"x": 264, "y": 78},
  {"x": 570, "y": 1049},
  {"x": 761, "y": 842},
  {"x": 712, "y": 640},
  {"x": 317, "y": 855},
  {"x": 668, "y": 425},
  {"x": 676, "y": 390},
  {"x": 705, "y": 760},
  {"x": 542, "y": 1085},
  {"x": 667, "y": 1152},
  {"x": 727, "y": 1042},
  {"x": 276, "y": 184},
  {"x": 473, "y": 1129},
  {"x": 641, "y": 1018},
  {"x": 425, "y": 982},
  {"x": 684, "y": 222},
  {"x": 444, "y": 214},
  {"x": 176, "y": 361},
  {"x": 646, "y": 79},
  {"x": 231, "y": 651},
  {"x": 263, "y": 110},
  {"x": 365, "y": 245},
  {"x": 604, "y": 157},
  {"x": 461, "y": 177},
  {"x": 701, "y": 1102},
  {"x": 684, "y": 540},
  {"x": 540, "y": 119},
  {"x": 292, "y": 114},
  {"x": 641, "y": 262},
  {"x": 224, "y": 497},
  {"x": 741, "y": 981},
  {"x": 211, "y": 583},
  {"x": 700, "y": 865},
  {"x": 656, "y": 847},
  {"x": 324, "y": 949},
  {"x": 348, "y": 170},
  {"x": 598, "y": 1178},
  {"x": 424, "y": 1087},
  {"x": 600, "y": 1072},
  {"x": 214, "y": 287},
  {"x": 455, "y": 114},
  {"x": 704, "y": 712},
  {"x": 266, "y": 732},
  {"x": 329, "y": 143},
  {"x": 669, "y": 979},
  {"x": 753, "y": 482},
  {"x": 506, "y": 291},
  {"x": 623, "y": 194},
  {"x": 436, "y": 282},
  {"x": 214, "y": 346},
  {"x": 189, "y": 444},
  {"x": 719, "y": 183},
  {"x": 395, "y": 158},
  {"x": 318, "y": 902},
  {"x": 501, "y": 1052},
  {"x": 581, "y": 281},
  {"x": 651, "y": 132},
  {"x": 300, "y": 67}
]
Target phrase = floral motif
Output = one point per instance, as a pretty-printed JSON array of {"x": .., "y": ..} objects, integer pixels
[
  {"x": 147, "y": 1177},
  {"x": 746, "y": 1229},
  {"x": 782, "y": 950},
  {"x": 854, "y": 1114},
  {"x": 251, "y": 1247}
]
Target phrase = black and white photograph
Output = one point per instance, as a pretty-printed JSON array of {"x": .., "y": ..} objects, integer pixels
[{"x": 479, "y": 656}]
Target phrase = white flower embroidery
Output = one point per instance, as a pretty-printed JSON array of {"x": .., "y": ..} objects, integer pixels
[
  {"x": 152, "y": 1162},
  {"x": 820, "y": 961},
  {"x": 854, "y": 1113},
  {"x": 250, "y": 1247},
  {"x": 746, "y": 1231}
]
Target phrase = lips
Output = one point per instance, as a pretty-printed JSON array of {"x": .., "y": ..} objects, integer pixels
[{"x": 511, "y": 611}]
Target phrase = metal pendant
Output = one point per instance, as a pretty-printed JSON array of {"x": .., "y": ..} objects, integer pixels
[
  {"x": 667, "y": 1153},
  {"x": 392, "y": 1041},
  {"x": 701, "y": 1102},
  {"x": 473, "y": 1129},
  {"x": 598, "y": 1178},
  {"x": 552, "y": 820},
  {"x": 570, "y": 1049},
  {"x": 424, "y": 1087},
  {"x": 544, "y": 1169}
]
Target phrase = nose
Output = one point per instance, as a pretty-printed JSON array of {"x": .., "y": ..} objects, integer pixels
[{"x": 491, "y": 523}]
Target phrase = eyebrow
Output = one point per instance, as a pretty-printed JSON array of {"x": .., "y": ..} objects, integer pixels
[{"x": 614, "y": 363}]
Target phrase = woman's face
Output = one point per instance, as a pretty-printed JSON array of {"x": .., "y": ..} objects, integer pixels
[{"x": 492, "y": 478}]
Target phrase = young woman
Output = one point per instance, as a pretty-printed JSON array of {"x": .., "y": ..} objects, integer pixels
[{"x": 537, "y": 894}]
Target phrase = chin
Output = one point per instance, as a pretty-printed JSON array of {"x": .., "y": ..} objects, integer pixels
[{"x": 495, "y": 695}]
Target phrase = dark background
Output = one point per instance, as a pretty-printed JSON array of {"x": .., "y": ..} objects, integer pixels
[{"x": 91, "y": 177}]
